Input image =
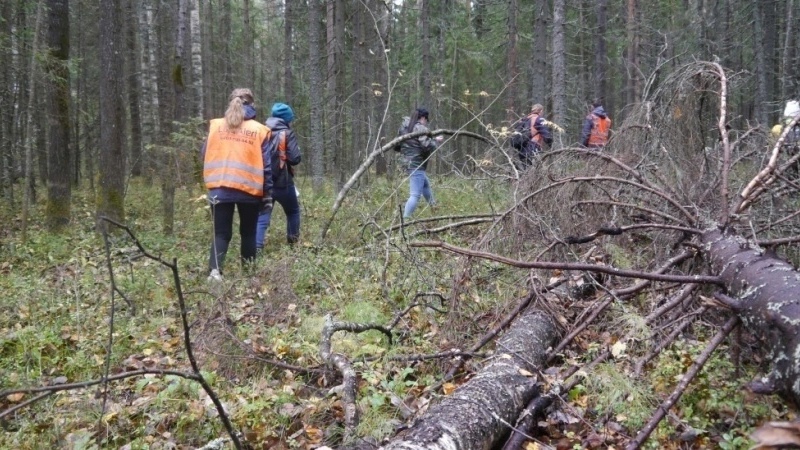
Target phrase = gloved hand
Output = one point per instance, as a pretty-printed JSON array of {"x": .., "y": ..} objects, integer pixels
[{"x": 266, "y": 205}]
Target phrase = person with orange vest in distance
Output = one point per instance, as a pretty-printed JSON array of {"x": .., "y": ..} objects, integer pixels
[
  {"x": 596, "y": 127},
  {"x": 536, "y": 134},
  {"x": 237, "y": 174}
]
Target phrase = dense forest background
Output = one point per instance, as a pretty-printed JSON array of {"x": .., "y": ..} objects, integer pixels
[
  {"x": 624, "y": 256},
  {"x": 96, "y": 92}
]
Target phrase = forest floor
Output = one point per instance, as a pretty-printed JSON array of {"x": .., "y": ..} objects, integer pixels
[{"x": 56, "y": 328}]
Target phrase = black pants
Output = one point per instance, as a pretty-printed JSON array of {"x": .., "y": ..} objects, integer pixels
[
  {"x": 222, "y": 216},
  {"x": 527, "y": 154}
]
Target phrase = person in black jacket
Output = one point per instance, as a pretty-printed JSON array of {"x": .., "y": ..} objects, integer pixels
[
  {"x": 415, "y": 154},
  {"x": 284, "y": 154}
]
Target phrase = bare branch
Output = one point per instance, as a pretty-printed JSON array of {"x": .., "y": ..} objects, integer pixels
[{"x": 551, "y": 265}]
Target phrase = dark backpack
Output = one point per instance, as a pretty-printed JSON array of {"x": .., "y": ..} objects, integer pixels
[
  {"x": 520, "y": 134},
  {"x": 281, "y": 175},
  {"x": 793, "y": 136},
  {"x": 401, "y": 131}
]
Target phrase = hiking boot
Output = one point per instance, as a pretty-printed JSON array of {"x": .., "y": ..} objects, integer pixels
[{"x": 214, "y": 276}]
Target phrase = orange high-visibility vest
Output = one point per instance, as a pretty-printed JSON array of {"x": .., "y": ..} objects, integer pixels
[
  {"x": 233, "y": 156},
  {"x": 535, "y": 135},
  {"x": 599, "y": 135}
]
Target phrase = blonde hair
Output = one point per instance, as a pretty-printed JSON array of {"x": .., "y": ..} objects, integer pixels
[
  {"x": 234, "y": 116},
  {"x": 537, "y": 108}
]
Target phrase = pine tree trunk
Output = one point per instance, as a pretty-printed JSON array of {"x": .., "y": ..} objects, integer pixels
[
  {"x": 132, "y": 64},
  {"x": 111, "y": 161},
  {"x": 59, "y": 188}
]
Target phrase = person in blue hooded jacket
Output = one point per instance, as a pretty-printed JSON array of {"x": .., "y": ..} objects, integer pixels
[
  {"x": 284, "y": 154},
  {"x": 596, "y": 127}
]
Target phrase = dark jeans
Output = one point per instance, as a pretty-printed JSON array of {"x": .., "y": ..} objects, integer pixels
[
  {"x": 287, "y": 198},
  {"x": 527, "y": 154},
  {"x": 222, "y": 216}
]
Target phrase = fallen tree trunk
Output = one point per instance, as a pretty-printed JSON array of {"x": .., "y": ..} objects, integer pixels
[
  {"x": 768, "y": 294},
  {"x": 482, "y": 411}
]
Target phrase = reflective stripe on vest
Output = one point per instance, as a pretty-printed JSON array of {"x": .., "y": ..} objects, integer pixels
[
  {"x": 233, "y": 157},
  {"x": 535, "y": 135},
  {"x": 599, "y": 134}
]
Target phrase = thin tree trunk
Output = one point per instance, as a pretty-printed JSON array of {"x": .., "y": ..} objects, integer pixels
[
  {"x": 600, "y": 51},
  {"x": 288, "y": 45},
  {"x": 6, "y": 98},
  {"x": 425, "y": 50},
  {"x": 559, "y": 65},
  {"x": 133, "y": 61},
  {"x": 512, "y": 68},
  {"x": 149, "y": 81},
  {"x": 539, "y": 78},
  {"x": 197, "y": 58},
  {"x": 316, "y": 90},
  {"x": 632, "y": 90},
  {"x": 786, "y": 56},
  {"x": 29, "y": 125}
]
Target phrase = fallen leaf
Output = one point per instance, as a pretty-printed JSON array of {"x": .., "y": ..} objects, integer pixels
[
  {"x": 776, "y": 434},
  {"x": 15, "y": 398},
  {"x": 448, "y": 388}
]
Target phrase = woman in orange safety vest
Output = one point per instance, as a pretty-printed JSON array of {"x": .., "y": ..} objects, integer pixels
[{"x": 238, "y": 175}]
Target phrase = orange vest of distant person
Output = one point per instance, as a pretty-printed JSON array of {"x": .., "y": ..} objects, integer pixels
[
  {"x": 233, "y": 156},
  {"x": 599, "y": 135}
]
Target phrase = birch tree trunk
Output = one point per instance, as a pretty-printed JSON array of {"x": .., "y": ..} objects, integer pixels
[
  {"x": 149, "y": 81},
  {"x": 480, "y": 413},
  {"x": 133, "y": 67},
  {"x": 197, "y": 58},
  {"x": 767, "y": 290}
]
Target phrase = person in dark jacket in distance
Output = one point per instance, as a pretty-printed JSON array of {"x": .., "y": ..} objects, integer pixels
[
  {"x": 284, "y": 155},
  {"x": 238, "y": 176},
  {"x": 596, "y": 127},
  {"x": 415, "y": 154}
]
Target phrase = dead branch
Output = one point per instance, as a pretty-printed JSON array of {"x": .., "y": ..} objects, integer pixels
[
  {"x": 750, "y": 194},
  {"x": 687, "y": 378},
  {"x": 552, "y": 265},
  {"x": 342, "y": 364}
]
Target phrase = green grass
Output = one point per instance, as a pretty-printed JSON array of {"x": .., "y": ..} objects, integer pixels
[{"x": 56, "y": 305}]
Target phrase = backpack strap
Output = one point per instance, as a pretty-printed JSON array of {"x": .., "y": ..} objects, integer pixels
[{"x": 282, "y": 149}]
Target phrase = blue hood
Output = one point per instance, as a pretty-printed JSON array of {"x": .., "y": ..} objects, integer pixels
[{"x": 600, "y": 112}]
